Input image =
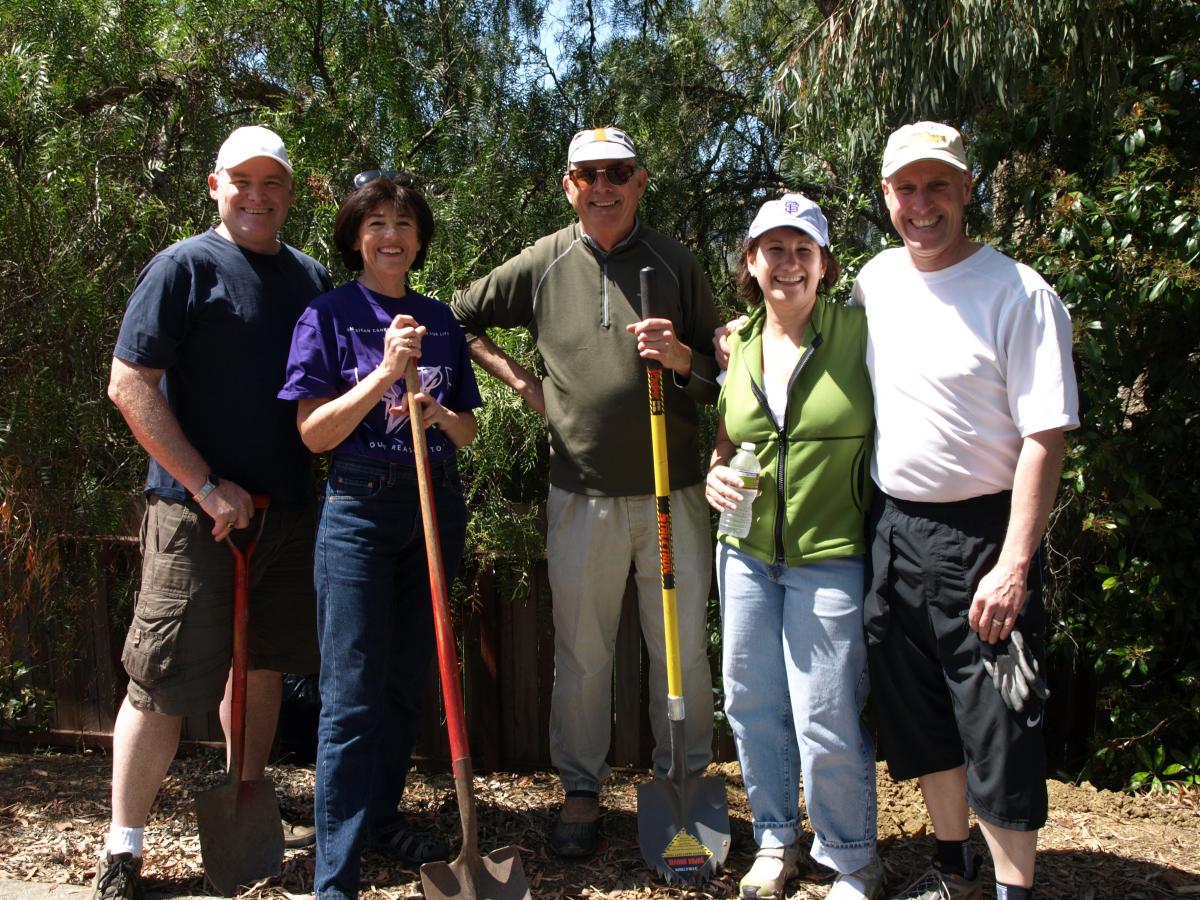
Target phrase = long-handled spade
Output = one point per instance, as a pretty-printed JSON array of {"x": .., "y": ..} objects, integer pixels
[
  {"x": 241, "y": 840},
  {"x": 499, "y": 875},
  {"x": 683, "y": 820}
]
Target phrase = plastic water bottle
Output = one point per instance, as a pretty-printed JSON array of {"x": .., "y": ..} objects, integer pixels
[{"x": 736, "y": 522}]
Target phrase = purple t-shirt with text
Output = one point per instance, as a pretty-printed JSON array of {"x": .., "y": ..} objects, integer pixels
[{"x": 339, "y": 339}]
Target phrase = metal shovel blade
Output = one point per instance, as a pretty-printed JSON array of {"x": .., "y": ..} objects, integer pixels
[
  {"x": 241, "y": 840},
  {"x": 497, "y": 876},
  {"x": 683, "y": 829}
]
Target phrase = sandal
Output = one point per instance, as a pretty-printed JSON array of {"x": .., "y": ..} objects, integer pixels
[
  {"x": 410, "y": 846},
  {"x": 772, "y": 868}
]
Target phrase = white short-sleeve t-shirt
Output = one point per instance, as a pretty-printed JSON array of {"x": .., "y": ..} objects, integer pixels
[{"x": 965, "y": 362}]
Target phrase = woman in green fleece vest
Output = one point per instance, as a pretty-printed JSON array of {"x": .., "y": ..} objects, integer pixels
[{"x": 794, "y": 659}]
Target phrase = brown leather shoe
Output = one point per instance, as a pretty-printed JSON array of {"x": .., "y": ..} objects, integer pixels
[{"x": 577, "y": 830}]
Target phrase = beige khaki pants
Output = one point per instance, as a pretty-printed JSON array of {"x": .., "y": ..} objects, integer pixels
[{"x": 590, "y": 544}]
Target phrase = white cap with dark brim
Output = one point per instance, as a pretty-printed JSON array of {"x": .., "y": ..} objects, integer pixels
[
  {"x": 790, "y": 211},
  {"x": 251, "y": 142},
  {"x": 923, "y": 140},
  {"x": 600, "y": 143}
]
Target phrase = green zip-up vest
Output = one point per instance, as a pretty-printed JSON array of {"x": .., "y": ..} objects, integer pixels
[{"x": 815, "y": 483}]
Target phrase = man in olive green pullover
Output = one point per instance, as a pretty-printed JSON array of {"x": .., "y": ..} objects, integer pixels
[{"x": 577, "y": 292}]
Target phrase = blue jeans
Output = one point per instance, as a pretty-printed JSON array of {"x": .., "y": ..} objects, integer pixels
[
  {"x": 375, "y": 624},
  {"x": 795, "y": 672}
]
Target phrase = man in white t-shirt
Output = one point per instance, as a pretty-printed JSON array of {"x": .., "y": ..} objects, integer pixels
[{"x": 970, "y": 359}]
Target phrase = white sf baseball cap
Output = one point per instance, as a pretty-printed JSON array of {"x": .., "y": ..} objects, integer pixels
[{"x": 790, "y": 211}]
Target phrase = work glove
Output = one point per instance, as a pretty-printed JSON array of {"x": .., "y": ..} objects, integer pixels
[{"x": 1015, "y": 673}]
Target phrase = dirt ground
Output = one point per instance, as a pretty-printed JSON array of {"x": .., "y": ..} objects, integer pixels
[{"x": 54, "y": 813}]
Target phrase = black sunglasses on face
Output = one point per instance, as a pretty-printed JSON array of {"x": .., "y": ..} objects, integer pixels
[
  {"x": 404, "y": 179},
  {"x": 615, "y": 175}
]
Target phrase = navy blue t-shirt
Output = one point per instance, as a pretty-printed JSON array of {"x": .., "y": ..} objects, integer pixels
[
  {"x": 218, "y": 318},
  {"x": 339, "y": 339}
]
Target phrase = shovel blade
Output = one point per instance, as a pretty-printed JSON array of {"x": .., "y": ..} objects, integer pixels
[
  {"x": 683, "y": 829},
  {"x": 241, "y": 840},
  {"x": 497, "y": 876}
]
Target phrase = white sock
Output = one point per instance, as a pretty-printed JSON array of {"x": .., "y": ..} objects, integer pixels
[{"x": 125, "y": 840}]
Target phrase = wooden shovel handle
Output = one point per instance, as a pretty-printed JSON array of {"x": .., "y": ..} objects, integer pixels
[{"x": 446, "y": 651}]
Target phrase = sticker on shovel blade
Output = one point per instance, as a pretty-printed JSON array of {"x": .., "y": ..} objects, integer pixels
[{"x": 685, "y": 854}]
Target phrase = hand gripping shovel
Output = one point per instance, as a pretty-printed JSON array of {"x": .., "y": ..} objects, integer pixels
[
  {"x": 499, "y": 875},
  {"x": 683, "y": 820},
  {"x": 241, "y": 840}
]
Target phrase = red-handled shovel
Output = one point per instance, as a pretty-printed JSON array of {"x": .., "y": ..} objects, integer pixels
[
  {"x": 499, "y": 875},
  {"x": 241, "y": 840}
]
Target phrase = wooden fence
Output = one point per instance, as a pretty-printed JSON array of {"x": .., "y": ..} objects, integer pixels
[{"x": 506, "y": 647}]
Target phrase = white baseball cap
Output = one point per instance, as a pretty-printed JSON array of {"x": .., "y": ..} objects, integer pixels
[
  {"x": 249, "y": 142},
  {"x": 600, "y": 143},
  {"x": 790, "y": 211},
  {"x": 923, "y": 140}
]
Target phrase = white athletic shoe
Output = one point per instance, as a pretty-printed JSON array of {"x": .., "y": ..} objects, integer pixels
[{"x": 862, "y": 884}]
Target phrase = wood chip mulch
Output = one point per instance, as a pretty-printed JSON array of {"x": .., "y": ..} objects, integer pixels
[{"x": 54, "y": 816}]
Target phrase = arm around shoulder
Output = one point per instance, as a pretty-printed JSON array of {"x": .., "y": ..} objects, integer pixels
[{"x": 697, "y": 331}]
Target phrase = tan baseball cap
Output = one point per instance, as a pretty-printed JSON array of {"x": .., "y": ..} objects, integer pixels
[{"x": 923, "y": 140}]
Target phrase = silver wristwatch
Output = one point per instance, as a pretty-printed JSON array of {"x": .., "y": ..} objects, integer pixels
[{"x": 210, "y": 485}]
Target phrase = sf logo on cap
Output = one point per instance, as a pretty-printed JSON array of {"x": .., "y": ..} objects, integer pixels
[{"x": 791, "y": 207}]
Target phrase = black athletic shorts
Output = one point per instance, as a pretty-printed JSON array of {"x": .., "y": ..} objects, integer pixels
[{"x": 935, "y": 706}]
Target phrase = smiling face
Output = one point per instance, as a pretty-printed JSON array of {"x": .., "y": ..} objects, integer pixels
[
  {"x": 926, "y": 200},
  {"x": 606, "y": 211},
  {"x": 253, "y": 199},
  {"x": 788, "y": 265},
  {"x": 389, "y": 240}
]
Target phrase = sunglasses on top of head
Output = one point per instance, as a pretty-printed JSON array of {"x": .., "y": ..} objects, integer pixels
[
  {"x": 615, "y": 175},
  {"x": 404, "y": 179}
]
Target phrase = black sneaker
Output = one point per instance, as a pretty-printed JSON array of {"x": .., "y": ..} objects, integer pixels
[{"x": 118, "y": 877}]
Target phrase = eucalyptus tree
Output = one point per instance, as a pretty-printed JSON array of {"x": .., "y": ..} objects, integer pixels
[
  {"x": 1082, "y": 118},
  {"x": 110, "y": 116}
]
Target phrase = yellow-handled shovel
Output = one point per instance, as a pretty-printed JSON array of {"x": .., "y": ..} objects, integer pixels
[{"x": 683, "y": 820}]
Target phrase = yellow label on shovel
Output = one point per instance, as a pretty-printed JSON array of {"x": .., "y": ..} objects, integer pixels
[{"x": 685, "y": 854}]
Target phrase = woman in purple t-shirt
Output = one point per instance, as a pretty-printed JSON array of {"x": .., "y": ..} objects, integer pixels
[{"x": 374, "y": 613}]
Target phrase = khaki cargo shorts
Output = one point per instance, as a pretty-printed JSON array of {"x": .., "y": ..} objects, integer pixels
[{"x": 179, "y": 646}]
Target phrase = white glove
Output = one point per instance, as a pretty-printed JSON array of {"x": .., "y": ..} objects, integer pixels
[{"x": 1015, "y": 673}]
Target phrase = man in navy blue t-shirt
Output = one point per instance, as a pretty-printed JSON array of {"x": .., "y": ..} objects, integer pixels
[{"x": 200, "y": 357}]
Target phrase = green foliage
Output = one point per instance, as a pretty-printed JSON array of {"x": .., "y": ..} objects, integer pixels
[
  {"x": 872, "y": 65},
  {"x": 1081, "y": 118},
  {"x": 1162, "y": 777},
  {"x": 23, "y": 707},
  {"x": 1120, "y": 239}
]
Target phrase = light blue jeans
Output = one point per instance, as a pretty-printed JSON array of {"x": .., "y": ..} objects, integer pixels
[{"x": 795, "y": 672}]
